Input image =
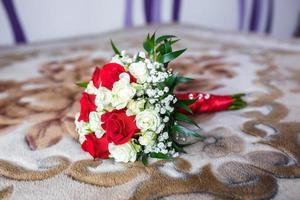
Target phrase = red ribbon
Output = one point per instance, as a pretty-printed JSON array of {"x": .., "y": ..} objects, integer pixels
[{"x": 206, "y": 102}]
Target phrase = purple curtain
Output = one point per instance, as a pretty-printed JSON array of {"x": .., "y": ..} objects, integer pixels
[
  {"x": 176, "y": 10},
  {"x": 152, "y": 11},
  {"x": 148, "y": 11},
  {"x": 255, "y": 15},
  {"x": 270, "y": 15},
  {"x": 16, "y": 27},
  {"x": 128, "y": 13},
  {"x": 242, "y": 9}
]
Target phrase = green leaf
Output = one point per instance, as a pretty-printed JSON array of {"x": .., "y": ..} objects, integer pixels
[
  {"x": 147, "y": 46},
  {"x": 170, "y": 56},
  {"x": 174, "y": 41},
  {"x": 187, "y": 144},
  {"x": 178, "y": 148},
  {"x": 171, "y": 80},
  {"x": 184, "y": 104},
  {"x": 238, "y": 103},
  {"x": 183, "y": 79},
  {"x": 160, "y": 156},
  {"x": 160, "y": 49},
  {"x": 138, "y": 58},
  {"x": 164, "y": 37},
  {"x": 82, "y": 84},
  {"x": 167, "y": 47},
  {"x": 164, "y": 48},
  {"x": 174, "y": 80},
  {"x": 238, "y": 96},
  {"x": 185, "y": 131},
  {"x": 184, "y": 107},
  {"x": 145, "y": 159},
  {"x": 188, "y": 101},
  {"x": 116, "y": 50},
  {"x": 184, "y": 118},
  {"x": 152, "y": 39}
]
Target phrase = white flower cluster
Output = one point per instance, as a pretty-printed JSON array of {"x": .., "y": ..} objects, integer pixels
[
  {"x": 159, "y": 101},
  {"x": 150, "y": 104}
]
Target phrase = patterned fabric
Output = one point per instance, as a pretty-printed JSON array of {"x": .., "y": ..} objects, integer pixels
[{"x": 248, "y": 154}]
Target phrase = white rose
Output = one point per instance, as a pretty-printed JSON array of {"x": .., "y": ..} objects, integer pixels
[
  {"x": 122, "y": 153},
  {"x": 82, "y": 128},
  {"x": 139, "y": 88},
  {"x": 134, "y": 107},
  {"x": 139, "y": 71},
  {"x": 91, "y": 89},
  {"x": 122, "y": 92},
  {"x": 142, "y": 54},
  {"x": 148, "y": 120},
  {"x": 95, "y": 124},
  {"x": 148, "y": 138},
  {"x": 116, "y": 59},
  {"x": 103, "y": 99}
]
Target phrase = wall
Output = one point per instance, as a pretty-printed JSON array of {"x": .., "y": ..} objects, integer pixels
[{"x": 54, "y": 19}]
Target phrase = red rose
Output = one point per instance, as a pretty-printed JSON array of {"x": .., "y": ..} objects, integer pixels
[
  {"x": 87, "y": 105},
  {"x": 108, "y": 75},
  {"x": 96, "y": 77},
  {"x": 119, "y": 127},
  {"x": 97, "y": 147},
  {"x": 132, "y": 78}
]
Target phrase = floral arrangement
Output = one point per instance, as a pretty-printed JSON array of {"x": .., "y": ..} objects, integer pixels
[{"x": 130, "y": 110}]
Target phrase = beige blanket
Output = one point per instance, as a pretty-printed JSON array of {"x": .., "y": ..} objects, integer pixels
[{"x": 253, "y": 153}]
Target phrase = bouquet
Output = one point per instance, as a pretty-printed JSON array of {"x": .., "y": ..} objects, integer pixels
[{"x": 130, "y": 110}]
